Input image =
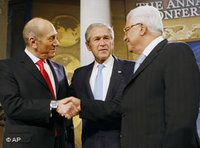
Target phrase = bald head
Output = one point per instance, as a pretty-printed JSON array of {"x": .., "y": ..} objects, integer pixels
[
  {"x": 34, "y": 28},
  {"x": 40, "y": 37}
]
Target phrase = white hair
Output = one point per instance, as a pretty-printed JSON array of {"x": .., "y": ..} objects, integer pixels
[{"x": 149, "y": 16}]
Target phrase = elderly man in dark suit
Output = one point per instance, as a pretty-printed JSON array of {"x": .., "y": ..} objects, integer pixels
[
  {"x": 30, "y": 84},
  {"x": 159, "y": 106},
  {"x": 116, "y": 73}
]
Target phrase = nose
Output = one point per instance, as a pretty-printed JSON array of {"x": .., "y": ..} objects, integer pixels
[
  {"x": 102, "y": 42},
  {"x": 56, "y": 43},
  {"x": 125, "y": 38}
]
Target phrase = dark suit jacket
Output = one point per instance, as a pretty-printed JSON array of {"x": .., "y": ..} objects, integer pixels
[
  {"x": 160, "y": 103},
  {"x": 101, "y": 134},
  {"x": 25, "y": 97}
]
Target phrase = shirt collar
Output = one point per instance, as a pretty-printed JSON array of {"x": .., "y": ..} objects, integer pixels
[
  {"x": 33, "y": 57},
  {"x": 152, "y": 45},
  {"x": 108, "y": 63}
]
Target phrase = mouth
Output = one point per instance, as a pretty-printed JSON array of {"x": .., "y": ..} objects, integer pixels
[
  {"x": 126, "y": 40},
  {"x": 53, "y": 49},
  {"x": 102, "y": 49}
]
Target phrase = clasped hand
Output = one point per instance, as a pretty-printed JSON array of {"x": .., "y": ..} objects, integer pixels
[{"x": 68, "y": 107}]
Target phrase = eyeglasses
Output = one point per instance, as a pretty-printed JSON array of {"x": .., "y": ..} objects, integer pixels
[{"x": 126, "y": 29}]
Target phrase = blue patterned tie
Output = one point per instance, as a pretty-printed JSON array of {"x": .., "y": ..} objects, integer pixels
[
  {"x": 139, "y": 62},
  {"x": 98, "y": 85}
]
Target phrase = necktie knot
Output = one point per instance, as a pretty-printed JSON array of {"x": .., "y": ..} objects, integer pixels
[
  {"x": 100, "y": 67},
  {"x": 40, "y": 63}
]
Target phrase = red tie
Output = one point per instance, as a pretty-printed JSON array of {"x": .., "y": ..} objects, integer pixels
[{"x": 40, "y": 63}]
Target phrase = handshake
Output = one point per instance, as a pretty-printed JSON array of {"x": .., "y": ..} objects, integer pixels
[{"x": 68, "y": 107}]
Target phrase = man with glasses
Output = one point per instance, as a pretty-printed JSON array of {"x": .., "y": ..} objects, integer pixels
[{"x": 159, "y": 106}]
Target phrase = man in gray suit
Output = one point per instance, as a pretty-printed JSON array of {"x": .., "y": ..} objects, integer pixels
[
  {"x": 159, "y": 106},
  {"x": 115, "y": 75}
]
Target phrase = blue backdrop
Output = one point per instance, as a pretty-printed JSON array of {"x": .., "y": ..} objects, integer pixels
[{"x": 196, "y": 49}]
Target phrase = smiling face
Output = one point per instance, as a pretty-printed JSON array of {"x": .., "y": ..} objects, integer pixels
[{"x": 100, "y": 44}]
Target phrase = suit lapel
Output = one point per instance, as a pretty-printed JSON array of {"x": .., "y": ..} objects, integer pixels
[
  {"x": 87, "y": 80},
  {"x": 117, "y": 73},
  {"x": 54, "y": 70},
  {"x": 31, "y": 67},
  {"x": 153, "y": 54}
]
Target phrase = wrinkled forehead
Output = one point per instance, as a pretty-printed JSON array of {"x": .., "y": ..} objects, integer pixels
[
  {"x": 129, "y": 21},
  {"x": 100, "y": 32}
]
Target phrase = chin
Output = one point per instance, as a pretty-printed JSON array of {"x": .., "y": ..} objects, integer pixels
[
  {"x": 130, "y": 50},
  {"x": 105, "y": 56},
  {"x": 51, "y": 56}
]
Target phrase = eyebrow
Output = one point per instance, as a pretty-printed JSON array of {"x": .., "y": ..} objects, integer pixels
[
  {"x": 53, "y": 35},
  {"x": 102, "y": 36}
]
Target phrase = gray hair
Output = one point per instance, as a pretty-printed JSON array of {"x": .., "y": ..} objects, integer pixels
[
  {"x": 31, "y": 29},
  {"x": 149, "y": 16},
  {"x": 87, "y": 33}
]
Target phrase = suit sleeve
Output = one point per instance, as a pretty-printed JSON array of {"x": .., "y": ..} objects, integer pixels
[
  {"x": 16, "y": 107},
  {"x": 72, "y": 87},
  {"x": 182, "y": 91},
  {"x": 96, "y": 110}
]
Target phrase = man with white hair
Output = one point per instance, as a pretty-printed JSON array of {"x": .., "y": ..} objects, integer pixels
[{"x": 159, "y": 106}]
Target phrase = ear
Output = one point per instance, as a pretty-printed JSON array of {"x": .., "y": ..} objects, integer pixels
[
  {"x": 33, "y": 42},
  {"x": 88, "y": 46},
  {"x": 112, "y": 44},
  {"x": 143, "y": 29}
]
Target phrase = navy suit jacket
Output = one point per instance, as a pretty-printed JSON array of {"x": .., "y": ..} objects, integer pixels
[
  {"x": 25, "y": 97},
  {"x": 159, "y": 105},
  {"x": 102, "y": 134}
]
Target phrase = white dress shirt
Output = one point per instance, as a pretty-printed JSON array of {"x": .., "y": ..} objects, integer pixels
[
  {"x": 152, "y": 45},
  {"x": 46, "y": 67},
  {"x": 106, "y": 71}
]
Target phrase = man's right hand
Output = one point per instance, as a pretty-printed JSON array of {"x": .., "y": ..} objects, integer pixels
[{"x": 68, "y": 107}]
